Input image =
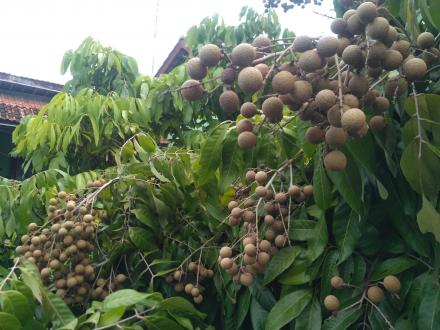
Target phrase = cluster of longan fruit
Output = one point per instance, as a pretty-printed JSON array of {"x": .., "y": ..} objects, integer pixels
[
  {"x": 256, "y": 252},
  {"x": 337, "y": 98},
  {"x": 61, "y": 249},
  {"x": 374, "y": 292},
  {"x": 188, "y": 281}
]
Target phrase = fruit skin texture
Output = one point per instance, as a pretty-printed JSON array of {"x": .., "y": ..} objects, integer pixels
[
  {"x": 378, "y": 28},
  {"x": 336, "y": 136},
  {"x": 414, "y": 69},
  {"x": 228, "y": 76},
  {"x": 381, "y": 105},
  {"x": 367, "y": 12},
  {"x": 375, "y": 294},
  {"x": 353, "y": 55},
  {"x": 302, "y": 43},
  {"x": 378, "y": 123},
  {"x": 327, "y": 46},
  {"x": 210, "y": 55},
  {"x": 302, "y": 90},
  {"x": 358, "y": 85},
  {"x": 425, "y": 40},
  {"x": 192, "y": 90},
  {"x": 331, "y": 303},
  {"x": 325, "y": 99},
  {"x": 243, "y": 54},
  {"x": 392, "y": 60},
  {"x": 335, "y": 161},
  {"x": 250, "y": 80},
  {"x": 283, "y": 82},
  {"x": 248, "y": 110},
  {"x": 229, "y": 101},
  {"x": 391, "y": 284},
  {"x": 244, "y": 125},
  {"x": 261, "y": 41},
  {"x": 196, "y": 69},
  {"x": 273, "y": 108},
  {"x": 353, "y": 119},
  {"x": 337, "y": 282},
  {"x": 310, "y": 61},
  {"x": 315, "y": 135},
  {"x": 246, "y": 279},
  {"x": 247, "y": 140}
]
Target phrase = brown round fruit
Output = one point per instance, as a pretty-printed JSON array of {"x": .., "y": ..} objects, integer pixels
[
  {"x": 355, "y": 25},
  {"x": 392, "y": 60},
  {"x": 250, "y": 80},
  {"x": 243, "y": 54},
  {"x": 378, "y": 28},
  {"x": 381, "y": 104},
  {"x": 391, "y": 284},
  {"x": 261, "y": 177},
  {"x": 302, "y": 43},
  {"x": 250, "y": 250},
  {"x": 283, "y": 82},
  {"x": 337, "y": 282},
  {"x": 414, "y": 69},
  {"x": 280, "y": 241},
  {"x": 225, "y": 252},
  {"x": 353, "y": 120},
  {"x": 327, "y": 46},
  {"x": 226, "y": 263},
  {"x": 261, "y": 191},
  {"x": 210, "y": 55},
  {"x": 192, "y": 90},
  {"x": 375, "y": 294},
  {"x": 331, "y": 303},
  {"x": 302, "y": 91},
  {"x": 310, "y": 61},
  {"x": 196, "y": 70},
  {"x": 308, "y": 190},
  {"x": 229, "y": 101},
  {"x": 263, "y": 68},
  {"x": 273, "y": 109},
  {"x": 358, "y": 85},
  {"x": 228, "y": 76},
  {"x": 378, "y": 123},
  {"x": 315, "y": 135},
  {"x": 367, "y": 12},
  {"x": 335, "y": 161},
  {"x": 246, "y": 279},
  {"x": 336, "y": 136},
  {"x": 262, "y": 41},
  {"x": 247, "y": 140},
  {"x": 325, "y": 99},
  {"x": 244, "y": 125},
  {"x": 425, "y": 40},
  {"x": 248, "y": 110},
  {"x": 353, "y": 55}
]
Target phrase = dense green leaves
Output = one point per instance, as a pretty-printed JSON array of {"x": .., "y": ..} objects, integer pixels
[
  {"x": 322, "y": 189},
  {"x": 342, "y": 320},
  {"x": 287, "y": 308},
  {"x": 391, "y": 267},
  {"x": 429, "y": 219},
  {"x": 281, "y": 262},
  {"x": 346, "y": 228}
]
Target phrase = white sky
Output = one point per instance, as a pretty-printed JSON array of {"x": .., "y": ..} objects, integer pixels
[{"x": 34, "y": 34}]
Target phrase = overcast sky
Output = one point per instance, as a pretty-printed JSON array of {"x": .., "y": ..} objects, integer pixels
[{"x": 34, "y": 34}]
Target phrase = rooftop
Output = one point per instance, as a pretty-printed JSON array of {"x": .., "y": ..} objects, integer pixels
[{"x": 21, "y": 96}]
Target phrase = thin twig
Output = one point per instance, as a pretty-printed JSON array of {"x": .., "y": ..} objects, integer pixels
[{"x": 419, "y": 126}]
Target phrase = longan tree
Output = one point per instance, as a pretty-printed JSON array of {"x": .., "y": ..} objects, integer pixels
[{"x": 310, "y": 202}]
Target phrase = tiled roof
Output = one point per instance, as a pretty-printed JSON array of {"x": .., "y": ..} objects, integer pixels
[
  {"x": 14, "y": 107},
  {"x": 21, "y": 96},
  {"x": 176, "y": 57}
]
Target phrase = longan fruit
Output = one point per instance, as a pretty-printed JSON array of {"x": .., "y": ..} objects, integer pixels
[
  {"x": 32, "y": 226},
  {"x": 225, "y": 252},
  {"x": 188, "y": 288},
  {"x": 294, "y": 191},
  {"x": 378, "y": 123},
  {"x": 337, "y": 282},
  {"x": 331, "y": 303},
  {"x": 264, "y": 245},
  {"x": 195, "y": 291},
  {"x": 177, "y": 275},
  {"x": 261, "y": 177},
  {"x": 280, "y": 197},
  {"x": 391, "y": 284},
  {"x": 226, "y": 263},
  {"x": 178, "y": 287},
  {"x": 250, "y": 250},
  {"x": 335, "y": 161},
  {"x": 280, "y": 241},
  {"x": 375, "y": 294},
  {"x": 250, "y": 176},
  {"x": 246, "y": 279},
  {"x": 120, "y": 278},
  {"x": 261, "y": 191},
  {"x": 263, "y": 258},
  {"x": 353, "y": 120},
  {"x": 198, "y": 299},
  {"x": 70, "y": 205},
  {"x": 308, "y": 190},
  {"x": 71, "y": 282}
]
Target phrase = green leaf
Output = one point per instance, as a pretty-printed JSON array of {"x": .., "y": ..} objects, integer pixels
[
  {"x": 319, "y": 240},
  {"x": 182, "y": 305},
  {"x": 343, "y": 319},
  {"x": 429, "y": 219},
  {"x": 258, "y": 315},
  {"x": 310, "y": 318},
  {"x": 55, "y": 307},
  {"x": 301, "y": 230},
  {"x": 9, "y": 322},
  {"x": 262, "y": 294},
  {"x": 346, "y": 228},
  {"x": 210, "y": 154},
  {"x": 322, "y": 188},
  {"x": 280, "y": 262},
  {"x": 244, "y": 301},
  {"x": 146, "y": 142},
  {"x": 349, "y": 184},
  {"x": 392, "y": 266},
  {"x": 156, "y": 322},
  {"x": 421, "y": 172},
  {"x": 287, "y": 308},
  {"x": 125, "y": 297},
  {"x": 329, "y": 269},
  {"x": 143, "y": 239},
  {"x": 429, "y": 308},
  {"x": 16, "y": 303},
  {"x": 112, "y": 316}
]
